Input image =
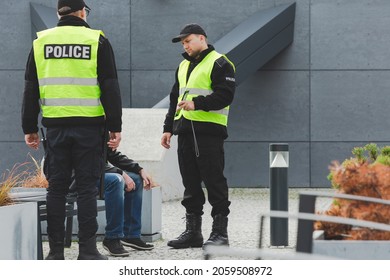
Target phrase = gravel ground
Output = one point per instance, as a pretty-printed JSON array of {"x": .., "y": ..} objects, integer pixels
[{"x": 244, "y": 225}]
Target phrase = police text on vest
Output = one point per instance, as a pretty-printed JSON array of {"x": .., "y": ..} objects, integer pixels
[{"x": 68, "y": 51}]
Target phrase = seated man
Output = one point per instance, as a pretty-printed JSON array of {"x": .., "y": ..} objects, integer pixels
[{"x": 123, "y": 186}]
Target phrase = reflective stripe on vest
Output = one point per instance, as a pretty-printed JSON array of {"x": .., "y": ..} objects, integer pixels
[
  {"x": 196, "y": 92},
  {"x": 68, "y": 81},
  {"x": 66, "y": 61},
  {"x": 70, "y": 102},
  {"x": 199, "y": 83}
]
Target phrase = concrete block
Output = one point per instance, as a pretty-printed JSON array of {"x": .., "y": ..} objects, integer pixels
[
  {"x": 15, "y": 33},
  {"x": 349, "y": 34},
  {"x": 297, "y": 55},
  {"x": 124, "y": 78},
  {"x": 11, "y": 95},
  {"x": 246, "y": 160},
  {"x": 170, "y": 17},
  {"x": 151, "y": 216},
  {"x": 19, "y": 231},
  {"x": 348, "y": 105},
  {"x": 271, "y": 106},
  {"x": 149, "y": 87},
  {"x": 141, "y": 137},
  {"x": 247, "y": 164}
]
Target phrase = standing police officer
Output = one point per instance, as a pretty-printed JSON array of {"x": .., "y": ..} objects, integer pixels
[
  {"x": 198, "y": 114},
  {"x": 71, "y": 76}
]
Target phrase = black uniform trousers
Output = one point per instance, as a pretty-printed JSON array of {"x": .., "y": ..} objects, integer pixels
[
  {"x": 78, "y": 148},
  {"x": 207, "y": 168}
]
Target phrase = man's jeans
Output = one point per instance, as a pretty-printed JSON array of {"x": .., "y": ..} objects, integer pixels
[{"x": 123, "y": 209}]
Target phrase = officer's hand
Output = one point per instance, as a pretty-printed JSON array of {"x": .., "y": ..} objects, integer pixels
[
  {"x": 187, "y": 105},
  {"x": 115, "y": 139},
  {"x": 166, "y": 140},
  {"x": 32, "y": 140}
]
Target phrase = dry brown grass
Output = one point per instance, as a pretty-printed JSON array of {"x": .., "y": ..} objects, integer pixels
[
  {"x": 28, "y": 174},
  {"x": 36, "y": 178},
  {"x": 11, "y": 178}
]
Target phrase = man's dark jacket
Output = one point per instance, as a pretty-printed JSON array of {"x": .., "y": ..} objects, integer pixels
[{"x": 117, "y": 163}]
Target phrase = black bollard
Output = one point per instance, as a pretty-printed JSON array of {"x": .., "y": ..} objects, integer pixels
[{"x": 279, "y": 160}]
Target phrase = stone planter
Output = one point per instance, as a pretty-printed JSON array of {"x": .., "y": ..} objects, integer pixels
[
  {"x": 351, "y": 249},
  {"x": 22, "y": 193},
  {"x": 18, "y": 233}
]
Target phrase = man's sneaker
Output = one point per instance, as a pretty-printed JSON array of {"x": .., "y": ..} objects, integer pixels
[
  {"x": 136, "y": 243},
  {"x": 115, "y": 248}
]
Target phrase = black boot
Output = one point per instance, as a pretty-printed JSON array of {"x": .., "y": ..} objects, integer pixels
[
  {"x": 56, "y": 250},
  {"x": 218, "y": 236},
  {"x": 88, "y": 250},
  {"x": 192, "y": 236}
]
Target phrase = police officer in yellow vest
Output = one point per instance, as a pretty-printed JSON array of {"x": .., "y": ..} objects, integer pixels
[
  {"x": 198, "y": 114},
  {"x": 71, "y": 78}
]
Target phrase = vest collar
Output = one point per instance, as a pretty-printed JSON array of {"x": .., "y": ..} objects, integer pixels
[
  {"x": 72, "y": 21},
  {"x": 201, "y": 56}
]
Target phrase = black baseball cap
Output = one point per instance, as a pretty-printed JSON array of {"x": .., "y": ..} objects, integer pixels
[
  {"x": 65, "y": 7},
  {"x": 191, "y": 28}
]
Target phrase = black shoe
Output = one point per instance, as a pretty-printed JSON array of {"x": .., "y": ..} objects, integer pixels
[
  {"x": 217, "y": 239},
  {"x": 188, "y": 239},
  {"x": 88, "y": 250},
  {"x": 192, "y": 237},
  {"x": 136, "y": 243},
  {"x": 56, "y": 250},
  {"x": 218, "y": 236},
  {"x": 115, "y": 248},
  {"x": 55, "y": 256}
]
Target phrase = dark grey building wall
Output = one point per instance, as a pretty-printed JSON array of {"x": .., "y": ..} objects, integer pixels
[{"x": 325, "y": 94}]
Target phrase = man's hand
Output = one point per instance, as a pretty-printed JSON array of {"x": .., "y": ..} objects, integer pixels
[
  {"x": 187, "y": 105},
  {"x": 32, "y": 140},
  {"x": 148, "y": 183},
  {"x": 129, "y": 183},
  {"x": 115, "y": 139},
  {"x": 166, "y": 140}
]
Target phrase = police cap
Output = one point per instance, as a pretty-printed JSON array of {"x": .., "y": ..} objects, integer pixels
[
  {"x": 191, "y": 28},
  {"x": 65, "y": 7}
]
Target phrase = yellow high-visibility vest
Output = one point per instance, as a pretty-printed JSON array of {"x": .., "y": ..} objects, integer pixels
[
  {"x": 66, "y": 62},
  {"x": 199, "y": 83}
]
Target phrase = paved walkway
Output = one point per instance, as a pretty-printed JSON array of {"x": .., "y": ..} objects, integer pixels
[{"x": 244, "y": 224}]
